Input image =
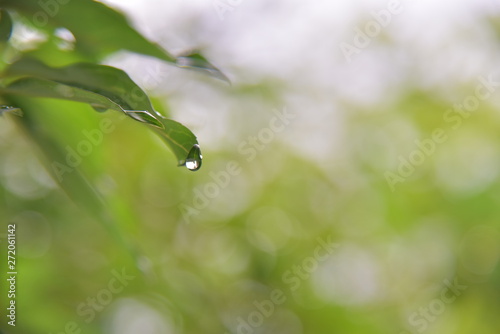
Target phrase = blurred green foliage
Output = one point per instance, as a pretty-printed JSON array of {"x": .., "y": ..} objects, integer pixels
[{"x": 261, "y": 239}]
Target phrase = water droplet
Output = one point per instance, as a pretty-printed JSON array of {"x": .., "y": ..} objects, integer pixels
[
  {"x": 98, "y": 108},
  {"x": 11, "y": 110},
  {"x": 145, "y": 117},
  {"x": 194, "y": 157}
]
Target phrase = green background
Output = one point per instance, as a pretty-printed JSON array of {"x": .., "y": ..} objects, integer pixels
[{"x": 236, "y": 247}]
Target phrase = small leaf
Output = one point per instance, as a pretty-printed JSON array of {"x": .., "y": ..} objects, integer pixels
[{"x": 198, "y": 62}]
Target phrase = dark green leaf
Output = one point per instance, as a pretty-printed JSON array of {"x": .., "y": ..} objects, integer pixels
[
  {"x": 36, "y": 87},
  {"x": 108, "y": 81},
  {"x": 196, "y": 61},
  {"x": 179, "y": 138},
  {"x": 98, "y": 29},
  {"x": 103, "y": 87},
  {"x": 145, "y": 117},
  {"x": 5, "y": 26}
]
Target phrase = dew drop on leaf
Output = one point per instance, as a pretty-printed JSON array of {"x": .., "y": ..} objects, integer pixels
[
  {"x": 145, "y": 117},
  {"x": 98, "y": 108},
  {"x": 10, "y": 109},
  {"x": 193, "y": 160}
]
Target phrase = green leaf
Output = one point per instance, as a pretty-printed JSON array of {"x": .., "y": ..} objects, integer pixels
[
  {"x": 36, "y": 87},
  {"x": 145, "y": 117},
  {"x": 179, "y": 138},
  {"x": 5, "y": 26},
  {"x": 98, "y": 29},
  {"x": 74, "y": 182},
  {"x": 196, "y": 61},
  {"x": 108, "y": 81},
  {"x": 103, "y": 87}
]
